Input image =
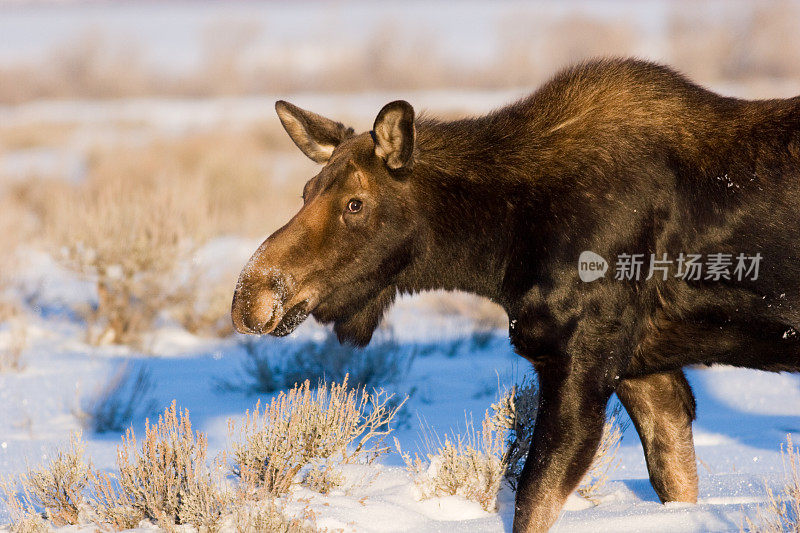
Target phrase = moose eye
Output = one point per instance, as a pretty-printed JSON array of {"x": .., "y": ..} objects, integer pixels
[{"x": 354, "y": 206}]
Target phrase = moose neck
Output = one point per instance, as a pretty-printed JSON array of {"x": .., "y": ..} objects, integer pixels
[{"x": 470, "y": 199}]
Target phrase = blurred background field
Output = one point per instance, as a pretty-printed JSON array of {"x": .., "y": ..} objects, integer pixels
[
  {"x": 175, "y": 99},
  {"x": 141, "y": 162}
]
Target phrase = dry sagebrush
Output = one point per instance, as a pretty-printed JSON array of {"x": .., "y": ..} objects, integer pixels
[
  {"x": 55, "y": 491},
  {"x": 166, "y": 479},
  {"x": 782, "y": 512},
  {"x": 470, "y": 465},
  {"x": 329, "y": 425},
  {"x": 206, "y": 309},
  {"x": 267, "y": 516},
  {"x": 605, "y": 461},
  {"x": 474, "y": 464},
  {"x": 132, "y": 227},
  {"x": 516, "y": 412},
  {"x": 16, "y": 227},
  {"x": 129, "y": 240},
  {"x": 14, "y": 331},
  {"x": 532, "y": 41}
]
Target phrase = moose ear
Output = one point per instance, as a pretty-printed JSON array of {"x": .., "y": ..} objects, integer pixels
[
  {"x": 315, "y": 135},
  {"x": 394, "y": 134}
]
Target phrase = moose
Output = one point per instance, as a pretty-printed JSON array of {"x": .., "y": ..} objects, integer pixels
[{"x": 619, "y": 157}]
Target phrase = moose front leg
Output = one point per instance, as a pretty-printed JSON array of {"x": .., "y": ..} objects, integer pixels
[
  {"x": 662, "y": 408},
  {"x": 569, "y": 425}
]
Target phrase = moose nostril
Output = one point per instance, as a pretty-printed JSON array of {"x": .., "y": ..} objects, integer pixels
[
  {"x": 237, "y": 318},
  {"x": 262, "y": 310},
  {"x": 251, "y": 314},
  {"x": 255, "y": 317}
]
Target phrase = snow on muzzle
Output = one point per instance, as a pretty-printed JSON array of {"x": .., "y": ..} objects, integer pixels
[{"x": 260, "y": 303}]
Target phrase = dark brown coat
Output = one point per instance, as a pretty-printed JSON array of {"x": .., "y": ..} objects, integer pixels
[{"x": 611, "y": 156}]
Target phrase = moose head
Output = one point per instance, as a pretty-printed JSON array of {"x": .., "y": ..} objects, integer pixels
[{"x": 338, "y": 258}]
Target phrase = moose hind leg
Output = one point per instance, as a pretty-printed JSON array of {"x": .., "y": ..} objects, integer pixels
[{"x": 662, "y": 408}]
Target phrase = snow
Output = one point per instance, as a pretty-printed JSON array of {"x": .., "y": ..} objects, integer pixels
[{"x": 743, "y": 415}]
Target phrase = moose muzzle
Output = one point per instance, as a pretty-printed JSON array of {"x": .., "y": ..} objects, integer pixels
[{"x": 258, "y": 302}]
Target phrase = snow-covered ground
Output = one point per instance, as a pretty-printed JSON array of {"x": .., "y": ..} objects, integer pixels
[{"x": 743, "y": 417}]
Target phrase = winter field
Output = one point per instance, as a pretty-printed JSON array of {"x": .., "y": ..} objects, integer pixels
[
  {"x": 136, "y": 180},
  {"x": 449, "y": 354}
]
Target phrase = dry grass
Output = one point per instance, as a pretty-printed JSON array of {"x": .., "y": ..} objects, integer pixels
[
  {"x": 782, "y": 512},
  {"x": 605, "y": 459},
  {"x": 473, "y": 464},
  {"x": 267, "y": 516},
  {"x": 755, "y": 40},
  {"x": 34, "y": 135},
  {"x": 329, "y": 425},
  {"x": 486, "y": 314},
  {"x": 516, "y": 412},
  {"x": 16, "y": 228},
  {"x": 57, "y": 490},
  {"x": 16, "y": 341},
  {"x": 132, "y": 225},
  {"x": 32, "y": 523},
  {"x": 470, "y": 465},
  {"x": 166, "y": 479},
  {"x": 231, "y": 176},
  {"x": 206, "y": 309},
  {"x": 130, "y": 241},
  {"x": 323, "y": 478}
]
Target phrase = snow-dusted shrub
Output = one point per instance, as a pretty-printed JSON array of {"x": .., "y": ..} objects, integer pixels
[
  {"x": 605, "y": 461},
  {"x": 474, "y": 463},
  {"x": 12, "y": 327},
  {"x": 129, "y": 240},
  {"x": 120, "y": 400},
  {"x": 470, "y": 465},
  {"x": 377, "y": 365},
  {"x": 323, "y": 478},
  {"x": 55, "y": 491},
  {"x": 782, "y": 512},
  {"x": 267, "y": 516},
  {"x": 516, "y": 412},
  {"x": 13, "y": 231},
  {"x": 31, "y": 523},
  {"x": 330, "y": 424},
  {"x": 206, "y": 309},
  {"x": 166, "y": 479}
]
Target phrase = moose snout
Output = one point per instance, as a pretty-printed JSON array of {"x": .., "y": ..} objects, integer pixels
[
  {"x": 252, "y": 314},
  {"x": 258, "y": 303}
]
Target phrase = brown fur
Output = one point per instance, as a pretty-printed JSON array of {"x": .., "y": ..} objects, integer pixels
[
  {"x": 613, "y": 156},
  {"x": 662, "y": 408}
]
